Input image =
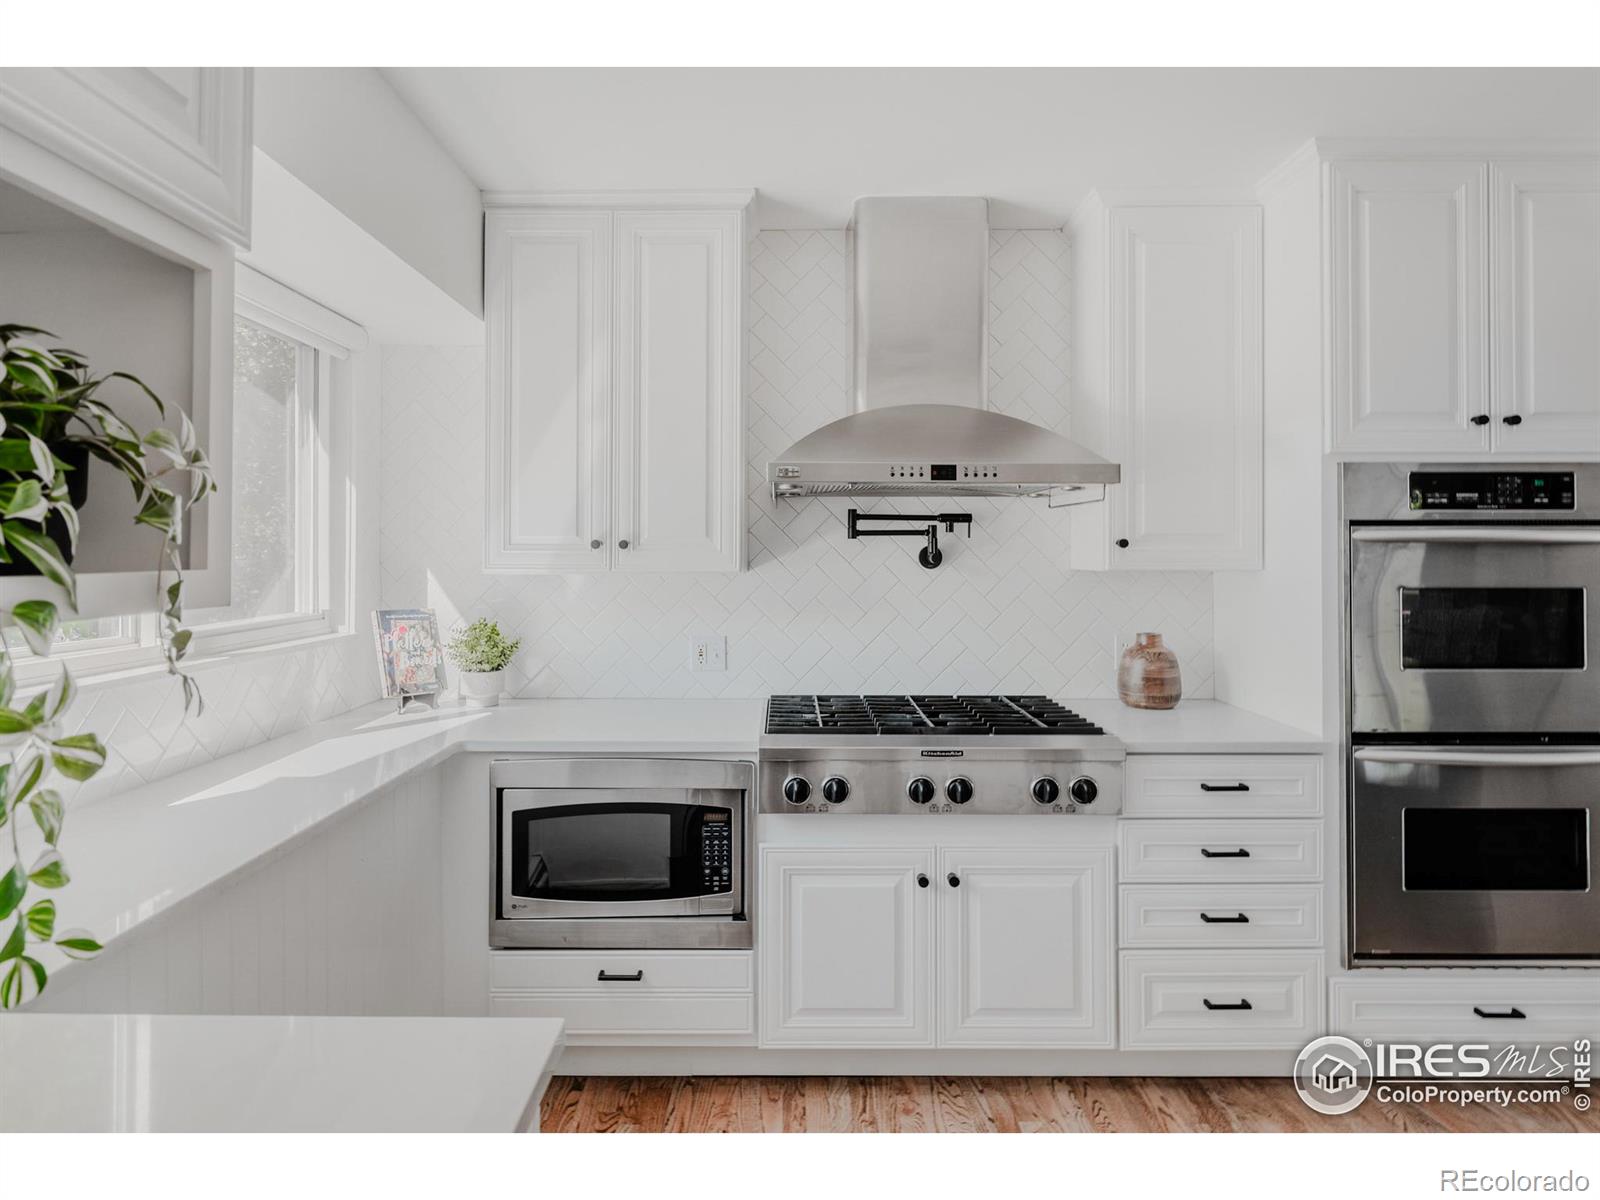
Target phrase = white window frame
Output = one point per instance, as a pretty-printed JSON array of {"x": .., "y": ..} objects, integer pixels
[{"x": 324, "y": 538}]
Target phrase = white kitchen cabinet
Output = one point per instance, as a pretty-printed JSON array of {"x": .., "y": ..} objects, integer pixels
[
  {"x": 1025, "y": 953},
  {"x": 1545, "y": 285},
  {"x": 177, "y": 138},
  {"x": 1169, "y": 384},
  {"x": 1408, "y": 298},
  {"x": 615, "y": 364},
  {"x": 847, "y": 939}
]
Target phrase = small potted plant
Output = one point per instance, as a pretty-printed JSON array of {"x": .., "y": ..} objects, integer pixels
[{"x": 480, "y": 652}]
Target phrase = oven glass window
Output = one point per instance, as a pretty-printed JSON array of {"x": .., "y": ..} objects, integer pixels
[
  {"x": 611, "y": 852},
  {"x": 1486, "y": 629},
  {"x": 1496, "y": 849}
]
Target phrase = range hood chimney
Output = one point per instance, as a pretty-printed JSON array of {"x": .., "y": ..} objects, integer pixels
[{"x": 920, "y": 427}]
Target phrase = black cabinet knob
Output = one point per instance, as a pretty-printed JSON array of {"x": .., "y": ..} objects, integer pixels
[
  {"x": 921, "y": 790},
  {"x": 922, "y": 880},
  {"x": 623, "y": 544},
  {"x": 796, "y": 790},
  {"x": 1122, "y": 543},
  {"x": 835, "y": 790},
  {"x": 959, "y": 790},
  {"x": 955, "y": 880},
  {"x": 1481, "y": 419},
  {"x": 1513, "y": 419},
  {"x": 595, "y": 544}
]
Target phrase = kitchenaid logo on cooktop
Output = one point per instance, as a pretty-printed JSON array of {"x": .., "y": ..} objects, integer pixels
[{"x": 943, "y": 753}]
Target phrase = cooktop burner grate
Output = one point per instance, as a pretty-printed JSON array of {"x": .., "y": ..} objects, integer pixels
[{"x": 976, "y": 716}]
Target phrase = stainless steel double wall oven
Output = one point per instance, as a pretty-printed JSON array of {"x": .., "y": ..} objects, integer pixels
[{"x": 1473, "y": 693}]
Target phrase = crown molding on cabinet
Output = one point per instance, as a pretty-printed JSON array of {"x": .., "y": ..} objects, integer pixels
[
  {"x": 1416, "y": 149},
  {"x": 656, "y": 200}
]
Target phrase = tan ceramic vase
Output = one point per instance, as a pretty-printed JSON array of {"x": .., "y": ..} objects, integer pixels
[{"x": 1148, "y": 675}]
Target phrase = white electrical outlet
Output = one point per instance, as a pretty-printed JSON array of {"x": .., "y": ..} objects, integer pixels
[{"x": 709, "y": 652}]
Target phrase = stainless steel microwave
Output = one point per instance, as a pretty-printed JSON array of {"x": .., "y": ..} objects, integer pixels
[{"x": 621, "y": 853}]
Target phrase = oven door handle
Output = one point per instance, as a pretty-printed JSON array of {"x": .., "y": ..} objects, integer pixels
[
  {"x": 1524, "y": 534},
  {"x": 1479, "y": 758}
]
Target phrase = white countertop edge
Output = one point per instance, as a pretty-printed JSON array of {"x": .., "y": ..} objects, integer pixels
[{"x": 135, "y": 855}]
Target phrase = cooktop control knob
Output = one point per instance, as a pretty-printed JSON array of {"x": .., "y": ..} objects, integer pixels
[
  {"x": 921, "y": 790},
  {"x": 959, "y": 789},
  {"x": 835, "y": 790},
  {"x": 1046, "y": 791},
  {"x": 796, "y": 790},
  {"x": 1084, "y": 789}
]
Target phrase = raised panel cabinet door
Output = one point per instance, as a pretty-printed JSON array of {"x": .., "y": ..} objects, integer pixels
[
  {"x": 178, "y": 138},
  {"x": 1025, "y": 947},
  {"x": 846, "y": 947},
  {"x": 1408, "y": 278},
  {"x": 547, "y": 299},
  {"x": 1546, "y": 286},
  {"x": 679, "y": 436},
  {"x": 1185, "y": 296}
]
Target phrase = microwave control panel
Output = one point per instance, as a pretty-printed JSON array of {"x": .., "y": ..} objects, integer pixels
[
  {"x": 716, "y": 852},
  {"x": 1471, "y": 491}
]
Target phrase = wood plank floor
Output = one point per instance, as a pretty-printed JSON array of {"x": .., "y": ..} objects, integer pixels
[{"x": 950, "y": 1104}]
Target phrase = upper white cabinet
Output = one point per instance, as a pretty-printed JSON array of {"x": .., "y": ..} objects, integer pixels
[
  {"x": 178, "y": 138},
  {"x": 615, "y": 340},
  {"x": 1169, "y": 384},
  {"x": 1545, "y": 238},
  {"x": 1023, "y": 937},
  {"x": 1462, "y": 299}
]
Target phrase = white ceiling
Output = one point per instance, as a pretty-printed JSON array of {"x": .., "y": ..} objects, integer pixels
[{"x": 1034, "y": 141}]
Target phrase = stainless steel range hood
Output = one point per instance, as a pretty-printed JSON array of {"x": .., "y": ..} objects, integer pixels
[{"x": 920, "y": 427}]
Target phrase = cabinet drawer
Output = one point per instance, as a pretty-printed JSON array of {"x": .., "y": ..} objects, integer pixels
[
  {"x": 1223, "y": 785},
  {"x": 1222, "y": 851},
  {"x": 1209, "y": 914},
  {"x": 592, "y": 1019},
  {"x": 1220, "y": 1001},
  {"x": 1449, "y": 1006},
  {"x": 663, "y": 971}
]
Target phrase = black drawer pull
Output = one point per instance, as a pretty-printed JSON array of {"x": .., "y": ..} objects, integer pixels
[
  {"x": 1242, "y": 1006},
  {"x": 1224, "y": 787},
  {"x": 955, "y": 880},
  {"x": 1241, "y": 919},
  {"x": 607, "y": 977},
  {"x": 1241, "y": 852},
  {"x": 922, "y": 880},
  {"x": 1516, "y": 1014}
]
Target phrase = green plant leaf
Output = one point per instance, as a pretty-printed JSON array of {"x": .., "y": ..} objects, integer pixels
[
  {"x": 159, "y": 510},
  {"x": 48, "y": 813},
  {"x": 44, "y": 463},
  {"x": 45, "y": 555},
  {"x": 180, "y": 642},
  {"x": 79, "y": 756},
  {"x": 23, "y": 500},
  {"x": 165, "y": 443},
  {"x": 48, "y": 871},
  {"x": 41, "y": 919},
  {"x": 40, "y": 976},
  {"x": 13, "y": 885},
  {"x": 78, "y": 944},
  {"x": 134, "y": 379},
  {"x": 22, "y": 779},
  {"x": 11, "y": 987},
  {"x": 14, "y": 943},
  {"x": 30, "y": 377},
  {"x": 12, "y": 722},
  {"x": 63, "y": 691},
  {"x": 15, "y": 455},
  {"x": 39, "y": 623},
  {"x": 8, "y": 683}
]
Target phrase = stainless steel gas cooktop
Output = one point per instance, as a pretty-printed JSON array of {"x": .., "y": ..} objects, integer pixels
[{"x": 941, "y": 754}]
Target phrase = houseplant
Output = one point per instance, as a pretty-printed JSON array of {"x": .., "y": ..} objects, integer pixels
[
  {"x": 51, "y": 422},
  {"x": 480, "y": 652}
]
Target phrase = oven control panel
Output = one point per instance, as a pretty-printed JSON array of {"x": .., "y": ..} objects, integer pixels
[
  {"x": 716, "y": 852},
  {"x": 1470, "y": 491}
]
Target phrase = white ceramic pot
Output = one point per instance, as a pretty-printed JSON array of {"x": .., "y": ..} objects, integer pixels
[{"x": 480, "y": 689}]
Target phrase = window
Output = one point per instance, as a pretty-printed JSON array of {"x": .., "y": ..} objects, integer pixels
[{"x": 289, "y": 563}]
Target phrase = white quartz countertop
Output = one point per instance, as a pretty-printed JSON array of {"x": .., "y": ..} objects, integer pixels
[
  {"x": 135, "y": 855},
  {"x": 1196, "y": 727},
  {"x": 177, "y": 1074}
]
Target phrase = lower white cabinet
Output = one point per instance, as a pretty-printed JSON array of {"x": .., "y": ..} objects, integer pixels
[
  {"x": 1467, "y": 1006},
  {"x": 1222, "y": 915},
  {"x": 637, "y": 997},
  {"x": 954, "y": 946},
  {"x": 1208, "y": 1000}
]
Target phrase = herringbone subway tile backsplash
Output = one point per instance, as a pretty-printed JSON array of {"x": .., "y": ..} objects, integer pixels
[{"x": 814, "y": 612}]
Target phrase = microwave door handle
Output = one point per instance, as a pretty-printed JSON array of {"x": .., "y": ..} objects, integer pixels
[
  {"x": 1479, "y": 758},
  {"x": 1516, "y": 534}
]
